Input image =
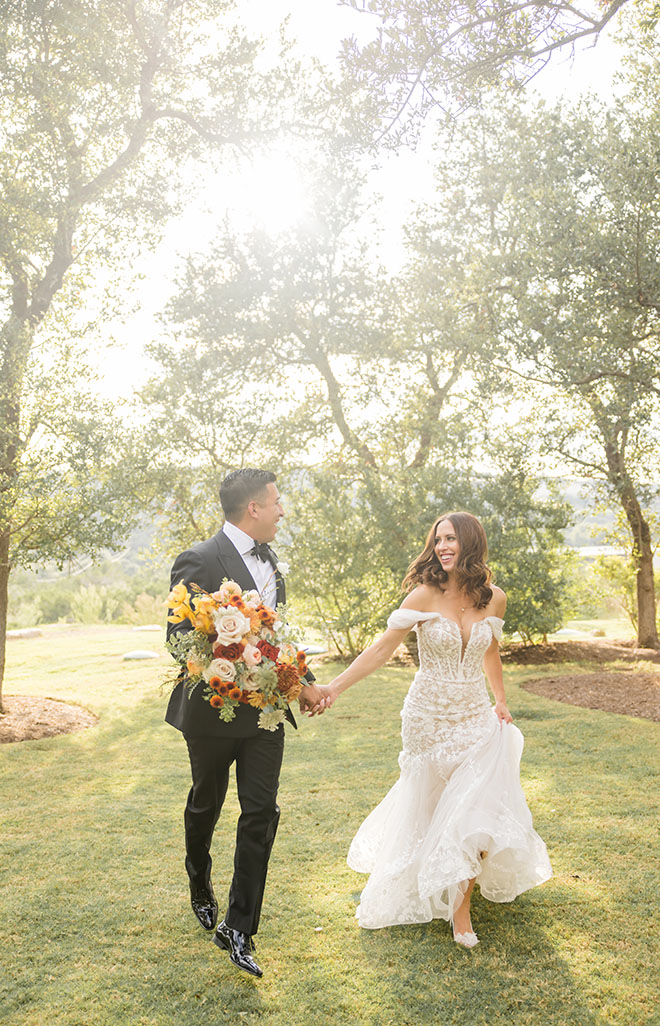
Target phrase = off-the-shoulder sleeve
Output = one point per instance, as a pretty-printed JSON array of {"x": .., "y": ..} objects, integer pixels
[
  {"x": 496, "y": 623},
  {"x": 402, "y": 618}
]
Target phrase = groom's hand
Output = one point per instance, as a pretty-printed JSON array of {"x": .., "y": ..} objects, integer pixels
[{"x": 311, "y": 699}]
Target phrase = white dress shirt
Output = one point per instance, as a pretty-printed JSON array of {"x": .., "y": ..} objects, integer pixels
[{"x": 262, "y": 573}]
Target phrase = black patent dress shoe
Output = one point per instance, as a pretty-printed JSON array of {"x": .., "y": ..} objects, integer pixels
[
  {"x": 240, "y": 947},
  {"x": 204, "y": 905}
]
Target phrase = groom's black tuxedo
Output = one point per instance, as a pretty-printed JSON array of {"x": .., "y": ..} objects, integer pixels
[
  {"x": 214, "y": 745},
  {"x": 208, "y": 564}
]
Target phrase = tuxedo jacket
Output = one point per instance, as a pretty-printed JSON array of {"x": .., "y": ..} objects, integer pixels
[{"x": 208, "y": 564}]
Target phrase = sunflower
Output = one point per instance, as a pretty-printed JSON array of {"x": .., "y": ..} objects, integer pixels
[{"x": 216, "y": 701}]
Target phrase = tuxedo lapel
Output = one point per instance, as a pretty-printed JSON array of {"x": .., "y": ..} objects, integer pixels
[{"x": 232, "y": 562}]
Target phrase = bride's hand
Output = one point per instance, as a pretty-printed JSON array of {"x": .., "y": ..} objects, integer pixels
[{"x": 502, "y": 713}]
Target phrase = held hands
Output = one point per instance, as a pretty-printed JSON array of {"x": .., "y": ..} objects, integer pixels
[
  {"x": 502, "y": 713},
  {"x": 314, "y": 699}
]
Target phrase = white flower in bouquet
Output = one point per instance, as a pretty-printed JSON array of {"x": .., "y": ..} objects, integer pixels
[
  {"x": 231, "y": 625},
  {"x": 223, "y": 668},
  {"x": 270, "y": 719}
]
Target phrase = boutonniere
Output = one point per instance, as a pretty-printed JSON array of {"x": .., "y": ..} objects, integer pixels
[{"x": 282, "y": 567}]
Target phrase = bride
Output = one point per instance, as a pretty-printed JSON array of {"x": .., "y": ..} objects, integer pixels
[{"x": 457, "y": 814}]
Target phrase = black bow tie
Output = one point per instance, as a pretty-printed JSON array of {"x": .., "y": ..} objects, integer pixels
[{"x": 263, "y": 552}]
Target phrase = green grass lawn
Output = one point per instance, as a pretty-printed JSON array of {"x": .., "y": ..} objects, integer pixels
[
  {"x": 611, "y": 628},
  {"x": 96, "y": 927}
]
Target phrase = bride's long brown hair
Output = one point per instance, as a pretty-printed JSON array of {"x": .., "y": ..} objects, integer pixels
[{"x": 472, "y": 571}]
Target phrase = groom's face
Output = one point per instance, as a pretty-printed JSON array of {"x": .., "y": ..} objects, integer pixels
[{"x": 266, "y": 512}]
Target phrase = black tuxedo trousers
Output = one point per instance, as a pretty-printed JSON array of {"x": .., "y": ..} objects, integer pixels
[
  {"x": 214, "y": 746},
  {"x": 258, "y": 760}
]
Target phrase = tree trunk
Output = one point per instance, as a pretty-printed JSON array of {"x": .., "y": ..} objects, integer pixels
[
  {"x": 4, "y": 596},
  {"x": 647, "y": 630}
]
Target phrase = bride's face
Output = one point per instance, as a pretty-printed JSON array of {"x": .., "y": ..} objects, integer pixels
[{"x": 447, "y": 548}]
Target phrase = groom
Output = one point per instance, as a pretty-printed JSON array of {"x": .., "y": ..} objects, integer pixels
[{"x": 239, "y": 552}]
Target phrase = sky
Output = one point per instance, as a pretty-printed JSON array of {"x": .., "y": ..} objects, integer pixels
[{"x": 271, "y": 191}]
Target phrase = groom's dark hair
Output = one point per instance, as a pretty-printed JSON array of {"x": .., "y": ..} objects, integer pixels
[{"x": 240, "y": 487}]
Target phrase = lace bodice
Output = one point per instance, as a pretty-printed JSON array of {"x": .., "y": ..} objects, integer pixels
[
  {"x": 441, "y": 651},
  {"x": 447, "y": 708}
]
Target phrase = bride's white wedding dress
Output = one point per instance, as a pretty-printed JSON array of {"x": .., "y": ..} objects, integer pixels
[{"x": 458, "y": 795}]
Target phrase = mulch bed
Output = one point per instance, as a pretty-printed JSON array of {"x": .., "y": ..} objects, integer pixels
[
  {"x": 596, "y": 651},
  {"x": 632, "y": 693},
  {"x": 28, "y": 719}
]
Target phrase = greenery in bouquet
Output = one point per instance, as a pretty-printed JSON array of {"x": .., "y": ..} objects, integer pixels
[{"x": 239, "y": 650}]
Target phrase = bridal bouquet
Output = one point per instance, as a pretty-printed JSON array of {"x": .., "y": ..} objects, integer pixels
[{"x": 241, "y": 651}]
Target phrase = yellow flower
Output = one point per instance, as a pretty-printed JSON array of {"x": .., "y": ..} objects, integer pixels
[
  {"x": 202, "y": 613},
  {"x": 179, "y": 615},
  {"x": 287, "y": 653},
  {"x": 179, "y": 602},
  {"x": 257, "y": 699},
  {"x": 178, "y": 595}
]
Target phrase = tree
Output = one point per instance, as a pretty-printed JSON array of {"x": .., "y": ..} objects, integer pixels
[
  {"x": 560, "y": 210},
  {"x": 445, "y": 56},
  {"x": 360, "y": 391},
  {"x": 347, "y": 572},
  {"x": 100, "y": 102}
]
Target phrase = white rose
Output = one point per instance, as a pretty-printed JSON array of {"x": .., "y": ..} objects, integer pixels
[
  {"x": 283, "y": 567},
  {"x": 231, "y": 625},
  {"x": 223, "y": 668}
]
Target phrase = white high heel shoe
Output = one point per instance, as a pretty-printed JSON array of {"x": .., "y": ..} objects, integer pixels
[{"x": 466, "y": 940}]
